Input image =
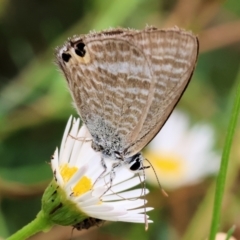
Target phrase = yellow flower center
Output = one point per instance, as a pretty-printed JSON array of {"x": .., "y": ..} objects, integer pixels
[
  {"x": 67, "y": 172},
  {"x": 166, "y": 163},
  {"x": 82, "y": 186}
]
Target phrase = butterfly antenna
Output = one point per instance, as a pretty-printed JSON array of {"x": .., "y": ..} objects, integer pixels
[
  {"x": 159, "y": 184},
  {"x": 145, "y": 202},
  {"x": 142, "y": 184}
]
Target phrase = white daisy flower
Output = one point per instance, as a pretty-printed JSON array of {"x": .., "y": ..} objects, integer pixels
[
  {"x": 180, "y": 154},
  {"x": 77, "y": 168}
]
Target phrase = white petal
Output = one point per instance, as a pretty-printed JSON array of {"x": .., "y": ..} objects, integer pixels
[
  {"x": 125, "y": 195},
  {"x": 98, "y": 192},
  {"x": 125, "y": 185},
  {"x": 55, "y": 168},
  {"x": 122, "y": 174},
  {"x": 54, "y": 160},
  {"x": 84, "y": 197},
  {"x": 140, "y": 210},
  {"x": 91, "y": 202},
  {"x": 76, "y": 177},
  {"x": 104, "y": 215},
  {"x": 77, "y": 148},
  {"x": 95, "y": 170},
  {"x": 66, "y": 155},
  {"x": 128, "y": 204},
  {"x": 99, "y": 208},
  {"x": 65, "y": 135},
  {"x": 83, "y": 147}
]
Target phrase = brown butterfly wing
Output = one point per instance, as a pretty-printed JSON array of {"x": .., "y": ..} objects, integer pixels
[
  {"x": 173, "y": 54},
  {"x": 111, "y": 86}
]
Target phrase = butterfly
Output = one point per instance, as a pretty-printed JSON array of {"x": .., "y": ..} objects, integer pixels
[{"x": 125, "y": 83}]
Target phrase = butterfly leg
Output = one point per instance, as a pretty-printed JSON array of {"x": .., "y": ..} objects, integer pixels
[
  {"x": 83, "y": 139},
  {"x": 104, "y": 166},
  {"x": 112, "y": 175},
  {"x": 103, "y": 172}
]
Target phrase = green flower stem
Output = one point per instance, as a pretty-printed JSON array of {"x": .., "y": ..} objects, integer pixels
[
  {"x": 221, "y": 179},
  {"x": 40, "y": 223}
]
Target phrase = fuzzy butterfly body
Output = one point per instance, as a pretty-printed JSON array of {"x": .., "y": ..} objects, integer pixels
[{"x": 125, "y": 84}]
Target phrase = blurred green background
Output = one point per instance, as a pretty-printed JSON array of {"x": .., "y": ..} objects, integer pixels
[{"x": 35, "y": 105}]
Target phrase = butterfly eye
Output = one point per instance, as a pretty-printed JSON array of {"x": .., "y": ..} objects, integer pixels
[
  {"x": 135, "y": 162},
  {"x": 79, "y": 50},
  {"x": 66, "y": 57},
  {"x": 136, "y": 165}
]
